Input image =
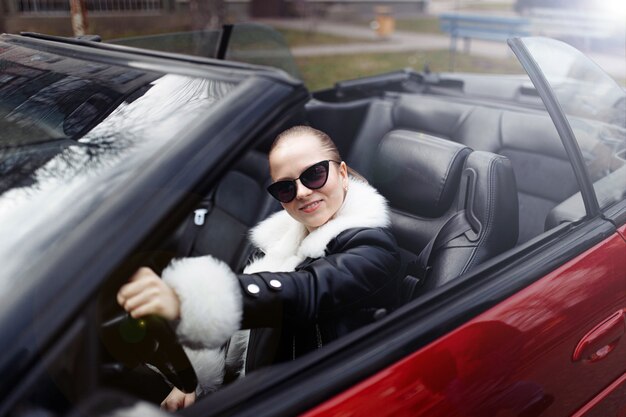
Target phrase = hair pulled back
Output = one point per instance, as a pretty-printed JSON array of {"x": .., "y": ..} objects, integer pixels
[{"x": 325, "y": 141}]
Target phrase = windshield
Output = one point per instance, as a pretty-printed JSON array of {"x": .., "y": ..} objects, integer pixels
[
  {"x": 259, "y": 44},
  {"x": 200, "y": 43},
  {"x": 252, "y": 43},
  {"x": 69, "y": 126},
  {"x": 595, "y": 107}
]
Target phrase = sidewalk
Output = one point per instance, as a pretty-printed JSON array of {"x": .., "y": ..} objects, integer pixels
[{"x": 410, "y": 41}]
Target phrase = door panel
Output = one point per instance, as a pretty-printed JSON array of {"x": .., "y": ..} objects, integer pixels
[
  {"x": 515, "y": 359},
  {"x": 612, "y": 400}
]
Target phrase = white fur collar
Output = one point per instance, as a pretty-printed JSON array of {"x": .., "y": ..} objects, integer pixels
[{"x": 286, "y": 243}]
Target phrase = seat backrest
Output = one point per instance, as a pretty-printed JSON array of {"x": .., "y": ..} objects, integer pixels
[
  {"x": 529, "y": 140},
  {"x": 608, "y": 189},
  {"x": 427, "y": 180},
  {"x": 238, "y": 203}
]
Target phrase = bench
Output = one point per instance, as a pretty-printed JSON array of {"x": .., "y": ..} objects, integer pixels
[{"x": 492, "y": 28}]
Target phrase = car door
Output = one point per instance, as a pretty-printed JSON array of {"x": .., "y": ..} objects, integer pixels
[
  {"x": 555, "y": 347},
  {"x": 551, "y": 349}
]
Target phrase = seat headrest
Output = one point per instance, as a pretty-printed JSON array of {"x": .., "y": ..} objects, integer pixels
[{"x": 418, "y": 173}]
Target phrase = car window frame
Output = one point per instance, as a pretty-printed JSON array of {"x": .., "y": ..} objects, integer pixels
[{"x": 563, "y": 127}]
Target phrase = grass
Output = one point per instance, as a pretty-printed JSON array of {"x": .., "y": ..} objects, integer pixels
[
  {"x": 294, "y": 38},
  {"x": 253, "y": 40},
  {"x": 297, "y": 38},
  {"x": 322, "y": 72},
  {"x": 496, "y": 7},
  {"x": 419, "y": 25},
  {"x": 109, "y": 34}
]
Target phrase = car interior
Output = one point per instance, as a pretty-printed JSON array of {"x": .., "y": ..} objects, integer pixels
[
  {"x": 450, "y": 178},
  {"x": 501, "y": 169},
  {"x": 417, "y": 151},
  {"x": 431, "y": 158}
]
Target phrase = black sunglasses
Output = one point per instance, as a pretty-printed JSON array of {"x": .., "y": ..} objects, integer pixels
[{"x": 313, "y": 177}]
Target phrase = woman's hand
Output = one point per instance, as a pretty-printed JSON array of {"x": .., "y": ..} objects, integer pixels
[
  {"x": 177, "y": 400},
  {"x": 147, "y": 294}
]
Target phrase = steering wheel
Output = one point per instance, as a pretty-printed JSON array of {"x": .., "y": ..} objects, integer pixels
[{"x": 152, "y": 341}]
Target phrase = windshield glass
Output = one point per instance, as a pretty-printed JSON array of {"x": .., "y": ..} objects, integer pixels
[
  {"x": 200, "y": 43},
  {"x": 595, "y": 107},
  {"x": 259, "y": 44},
  {"x": 69, "y": 126},
  {"x": 252, "y": 43}
]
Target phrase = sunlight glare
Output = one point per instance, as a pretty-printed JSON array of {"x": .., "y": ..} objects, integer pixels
[{"x": 616, "y": 8}]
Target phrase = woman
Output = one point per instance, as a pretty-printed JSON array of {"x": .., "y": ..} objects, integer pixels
[{"x": 328, "y": 265}]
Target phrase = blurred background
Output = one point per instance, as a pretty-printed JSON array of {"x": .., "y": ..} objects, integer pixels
[{"x": 338, "y": 40}]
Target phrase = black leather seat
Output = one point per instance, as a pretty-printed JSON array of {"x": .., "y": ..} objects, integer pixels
[
  {"x": 427, "y": 180},
  {"x": 529, "y": 140},
  {"x": 420, "y": 175},
  {"x": 609, "y": 189},
  {"x": 220, "y": 225}
]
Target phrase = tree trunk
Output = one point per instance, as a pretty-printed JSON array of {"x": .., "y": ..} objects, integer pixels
[
  {"x": 80, "y": 25},
  {"x": 207, "y": 14}
]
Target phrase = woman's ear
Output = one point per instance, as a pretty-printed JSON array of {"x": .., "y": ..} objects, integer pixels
[{"x": 343, "y": 170}]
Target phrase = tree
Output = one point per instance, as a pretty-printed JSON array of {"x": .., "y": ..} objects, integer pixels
[{"x": 80, "y": 25}]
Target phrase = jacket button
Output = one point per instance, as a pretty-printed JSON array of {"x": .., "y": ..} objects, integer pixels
[
  {"x": 253, "y": 289},
  {"x": 276, "y": 283}
]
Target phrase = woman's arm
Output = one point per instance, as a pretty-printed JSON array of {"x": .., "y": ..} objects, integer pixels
[
  {"x": 201, "y": 296},
  {"x": 145, "y": 293},
  {"x": 214, "y": 302},
  {"x": 360, "y": 263}
]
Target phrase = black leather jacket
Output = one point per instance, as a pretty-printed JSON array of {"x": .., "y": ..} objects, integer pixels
[{"x": 355, "y": 283}]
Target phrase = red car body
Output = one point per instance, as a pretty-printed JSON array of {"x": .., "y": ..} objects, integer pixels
[{"x": 544, "y": 351}]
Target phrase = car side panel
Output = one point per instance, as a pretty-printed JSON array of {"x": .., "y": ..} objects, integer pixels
[
  {"x": 622, "y": 232},
  {"x": 611, "y": 401},
  {"x": 516, "y": 358}
]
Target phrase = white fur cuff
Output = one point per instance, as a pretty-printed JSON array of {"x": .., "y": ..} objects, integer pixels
[
  {"x": 210, "y": 300},
  {"x": 209, "y": 367}
]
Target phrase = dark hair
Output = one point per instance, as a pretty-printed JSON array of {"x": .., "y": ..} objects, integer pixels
[{"x": 327, "y": 144}]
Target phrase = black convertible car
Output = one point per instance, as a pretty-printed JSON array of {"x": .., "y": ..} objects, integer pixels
[{"x": 113, "y": 156}]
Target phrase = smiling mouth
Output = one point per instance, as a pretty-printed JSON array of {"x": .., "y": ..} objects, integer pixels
[{"x": 308, "y": 208}]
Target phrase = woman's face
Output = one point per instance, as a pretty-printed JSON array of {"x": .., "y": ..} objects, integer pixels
[{"x": 312, "y": 208}]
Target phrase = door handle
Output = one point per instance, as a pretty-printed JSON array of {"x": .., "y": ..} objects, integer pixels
[{"x": 601, "y": 340}]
